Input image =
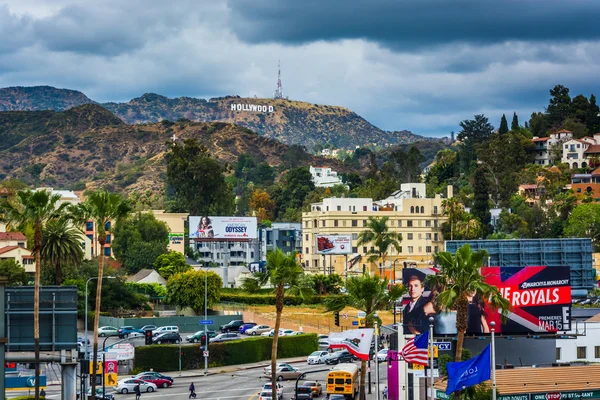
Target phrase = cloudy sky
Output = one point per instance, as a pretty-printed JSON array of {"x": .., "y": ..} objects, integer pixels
[{"x": 422, "y": 65}]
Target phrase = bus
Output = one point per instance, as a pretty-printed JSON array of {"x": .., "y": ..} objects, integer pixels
[{"x": 343, "y": 379}]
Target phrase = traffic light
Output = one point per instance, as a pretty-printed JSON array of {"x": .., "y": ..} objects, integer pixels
[
  {"x": 148, "y": 336},
  {"x": 336, "y": 316}
]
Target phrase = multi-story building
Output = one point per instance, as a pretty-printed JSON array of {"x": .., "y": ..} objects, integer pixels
[
  {"x": 286, "y": 236},
  {"x": 586, "y": 185},
  {"x": 574, "y": 152},
  {"x": 544, "y": 146},
  {"x": 176, "y": 224},
  {"x": 324, "y": 177},
  {"x": 227, "y": 253},
  {"x": 13, "y": 246},
  {"x": 410, "y": 213}
]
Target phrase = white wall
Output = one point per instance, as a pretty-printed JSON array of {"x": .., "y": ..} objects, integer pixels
[{"x": 589, "y": 341}]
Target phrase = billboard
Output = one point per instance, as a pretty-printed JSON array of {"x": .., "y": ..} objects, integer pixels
[
  {"x": 334, "y": 244},
  {"x": 215, "y": 228},
  {"x": 540, "y": 298}
]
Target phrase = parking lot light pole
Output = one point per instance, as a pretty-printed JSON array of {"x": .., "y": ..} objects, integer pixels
[{"x": 205, "y": 318}]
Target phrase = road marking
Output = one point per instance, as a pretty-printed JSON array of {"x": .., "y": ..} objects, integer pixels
[{"x": 254, "y": 395}]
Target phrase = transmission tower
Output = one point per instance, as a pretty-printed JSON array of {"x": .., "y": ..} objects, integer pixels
[{"x": 279, "y": 91}]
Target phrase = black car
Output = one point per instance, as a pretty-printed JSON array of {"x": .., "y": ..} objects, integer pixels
[
  {"x": 232, "y": 326},
  {"x": 342, "y": 356},
  {"x": 168, "y": 337},
  {"x": 304, "y": 393}
]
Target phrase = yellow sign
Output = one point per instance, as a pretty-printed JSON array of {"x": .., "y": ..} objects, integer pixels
[
  {"x": 110, "y": 379},
  {"x": 418, "y": 366},
  {"x": 362, "y": 322},
  {"x": 435, "y": 352},
  {"x": 98, "y": 367}
]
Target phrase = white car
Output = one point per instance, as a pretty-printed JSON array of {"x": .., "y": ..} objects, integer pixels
[
  {"x": 268, "y": 387},
  {"x": 268, "y": 333},
  {"x": 265, "y": 395},
  {"x": 382, "y": 355},
  {"x": 258, "y": 330},
  {"x": 317, "y": 357},
  {"x": 286, "y": 332},
  {"x": 165, "y": 329},
  {"x": 108, "y": 331},
  {"x": 128, "y": 385}
]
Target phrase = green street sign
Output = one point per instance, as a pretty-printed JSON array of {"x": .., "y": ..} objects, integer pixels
[{"x": 442, "y": 395}]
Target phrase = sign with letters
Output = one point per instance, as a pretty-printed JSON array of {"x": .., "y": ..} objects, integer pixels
[
  {"x": 444, "y": 346},
  {"x": 225, "y": 228}
]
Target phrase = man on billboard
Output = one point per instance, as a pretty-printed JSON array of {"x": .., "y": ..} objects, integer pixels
[{"x": 415, "y": 316}]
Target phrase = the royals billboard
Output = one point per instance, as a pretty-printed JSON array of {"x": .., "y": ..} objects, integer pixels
[
  {"x": 540, "y": 297},
  {"x": 223, "y": 228}
]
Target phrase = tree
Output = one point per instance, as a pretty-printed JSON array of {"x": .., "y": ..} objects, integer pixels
[
  {"x": 584, "y": 221},
  {"x": 281, "y": 271},
  {"x": 503, "y": 125},
  {"x": 593, "y": 116},
  {"x": 379, "y": 235},
  {"x": 407, "y": 165},
  {"x": 186, "y": 289},
  {"x": 294, "y": 156},
  {"x": 352, "y": 179},
  {"x": 481, "y": 206},
  {"x": 452, "y": 209},
  {"x": 560, "y": 104},
  {"x": 14, "y": 272},
  {"x": 61, "y": 244},
  {"x": 139, "y": 240},
  {"x": 104, "y": 209},
  {"x": 326, "y": 284},
  {"x": 474, "y": 132},
  {"x": 170, "y": 264},
  {"x": 458, "y": 278},
  {"x": 296, "y": 184},
  {"x": 539, "y": 124},
  {"x": 196, "y": 181},
  {"x": 34, "y": 209},
  {"x": 262, "y": 205},
  {"x": 369, "y": 294},
  {"x": 514, "y": 126}
]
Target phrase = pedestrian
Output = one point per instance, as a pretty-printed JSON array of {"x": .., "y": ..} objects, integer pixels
[
  {"x": 192, "y": 391},
  {"x": 43, "y": 394},
  {"x": 385, "y": 392},
  {"x": 137, "y": 391}
]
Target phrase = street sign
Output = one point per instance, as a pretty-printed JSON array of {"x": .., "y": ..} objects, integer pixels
[
  {"x": 435, "y": 352},
  {"x": 110, "y": 379},
  {"x": 345, "y": 316},
  {"x": 354, "y": 323},
  {"x": 205, "y": 353},
  {"x": 444, "y": 346},
  {"x": 206, "y": 322},
  {"x": 98, "y": 368}
]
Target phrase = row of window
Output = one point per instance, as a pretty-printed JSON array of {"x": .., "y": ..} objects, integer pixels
[
  {"x": 581, "y": 352},
  {"x": 409, "y": 249},
  {"x": 354, "y": 223},
  {"x": 233, "y": 254},
  {"x": 89, "y": 226},
  {"x": 421, "y": 210}
]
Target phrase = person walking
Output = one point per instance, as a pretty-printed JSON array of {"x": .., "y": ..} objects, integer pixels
[
  {"x": 192, "y": 391},
  {"x": 137, "y": 391},
  {"x": 385, "y": 393},
  {"x": 43, "y": 394}
]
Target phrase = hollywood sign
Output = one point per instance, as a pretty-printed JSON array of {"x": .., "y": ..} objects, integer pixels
[{"x": 251, "y": 107}]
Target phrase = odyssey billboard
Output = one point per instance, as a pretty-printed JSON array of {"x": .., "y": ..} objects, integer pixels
[
  {"x": 540, "y": 297},
  {"x": 334, "y": 244},
  {"x": 216, "y": 228}
]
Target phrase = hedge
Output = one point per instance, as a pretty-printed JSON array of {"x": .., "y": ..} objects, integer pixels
[
  {"x": 269, "y": 299},
  {"x": 164, "y": 358}
]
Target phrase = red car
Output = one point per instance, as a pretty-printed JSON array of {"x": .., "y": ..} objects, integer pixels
[{"x": 159, "y": 382}]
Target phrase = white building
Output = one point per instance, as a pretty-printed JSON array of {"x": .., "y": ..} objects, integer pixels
[
  {"x": 231, "y": 253},
  {"x": 545, "y": 145},
  {"x": 583, "y": 348},
  {"x": 324, "y": 177}
]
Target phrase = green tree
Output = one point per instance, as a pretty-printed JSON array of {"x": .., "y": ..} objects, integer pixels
[
  {"x": 294, "y": 156},
  {"x": 139, "y": 240},
  {"x": 61, "y": 244},
  {"x": 503, "y": 125},
  {"x": 196, "y": 182},
  {"x": 514, "y": 126},
  {"x": 369, "y": 294},
  {"x": 14, "y": 272},
  {"x": 584, "y": 221},
  {"x": 539, "y": 124},
  {"x": 459, "y": 278},
  {"x": 186, "y": 289},
  {"x": 559, "y": 107},
  {"x": 296, "y": 185},
  {"x": 452, "y": 209},
  {"x": 378, "y": 234},
  {"x": 593, "y": 116},
  {"x": 170, "y": 264},
  {"x": 326, "y": 284},
  {"x": 473, "y": 132},
  {"x": 481, "y": 206},
  {"x": 34, "y": 209},
  {"x": 407, "y": 165}
]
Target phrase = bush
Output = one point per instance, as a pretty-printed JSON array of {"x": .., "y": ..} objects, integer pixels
[
  {"x": 269, "y": 299},
  {"x": 226, "y": 353}
]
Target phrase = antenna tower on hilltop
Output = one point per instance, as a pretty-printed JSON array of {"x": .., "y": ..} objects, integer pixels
[{"x": 279, "y": 91}]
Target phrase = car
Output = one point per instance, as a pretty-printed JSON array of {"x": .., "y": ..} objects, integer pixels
[
  {"x": 268, "y": 333},
  {"x": 382, "y": 355},
  {"x": 315, "y": 386},
  {"x": 323, "y": 345},
  {"x": 287, "y": 372},
  {"x": 99, "y": 396},
  {"x": 165, "y": 329},
  {"x": 147, "y": 328},
  {"x": 265, "y": 395},
  {"x": 125, "y": 331},
  {"x": 232, "y": 326},
  {"x": 154, "y": 374},
  {"x": 339, "y": 357},
  {"x": 80, "y": 339},
  {"x": 128, "y": 385},
  {"x": 108, "y": 331},
  {"x": 158, "y": 381},
  {"x": 246, "y": 326},
  {"x": 200, "y": 336},
  {"x": 269, "y": 387},
  {"x": 167, "y": 337},
  {"x": 224, "y": 337},
  {"x": 136, "y": 334},
  {"x": 323, "y": 337},
  {"x": 317, "y": 357},
  {"x": 286, "y": 332},
  {"x": 304, "y": 393},
  {"x": 337, "y": 397},
  {"x": 258, "y": 330},
  {"x": 297, "y": 333},
  {"x": 267, "y": 370}
]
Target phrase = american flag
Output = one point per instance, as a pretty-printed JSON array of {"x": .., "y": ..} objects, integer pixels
[{"x": 415, "y": 350}]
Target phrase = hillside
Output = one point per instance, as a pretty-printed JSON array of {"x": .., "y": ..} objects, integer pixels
[
  {"x": 87, "y": 146},
  {"x": 290, "y": 122}
]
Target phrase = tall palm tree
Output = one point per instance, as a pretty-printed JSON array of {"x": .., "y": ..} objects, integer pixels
[
  {"x": 378, "y": 233},
  {"x": 102, "y": 208},
  {"x": 458, "y": 279},
  {"x": 369, "y": 294},
  {"x": 282, "y": 270},
  {"x": 34, "y": 209},
  {"x": 468, "y": 228},
  {"x": 61, "y": 244},
  {"x": 453, "y": 210}
]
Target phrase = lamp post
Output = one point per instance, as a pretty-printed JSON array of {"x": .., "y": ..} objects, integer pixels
[
  {"x": 205, "y": 327},
  {"x": 375, "y": 316},
  {"x": 493, "y": 330},
  {"x": 431, "y": 319}
]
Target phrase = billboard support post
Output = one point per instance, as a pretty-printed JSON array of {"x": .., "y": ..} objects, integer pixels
[
  {"x": 346, "y": 267},
  {"x": 493, "y": 330},
  {"x": 431, "y": 319}
]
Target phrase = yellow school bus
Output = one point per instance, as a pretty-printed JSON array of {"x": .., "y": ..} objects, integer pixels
[{"x": 343, "y": 379}]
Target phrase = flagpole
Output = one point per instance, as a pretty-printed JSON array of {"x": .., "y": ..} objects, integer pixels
[
  {"x": 402, "y": 367},
  {"x": 375, "y": 316},
  {"x": 493, "y": 324},
  {"x": 431, "y": 319}
]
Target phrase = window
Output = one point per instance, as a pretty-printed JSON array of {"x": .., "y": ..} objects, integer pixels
[
  {"x": 107, "y": 238},
  {"x": 427, "y": 249},
  {"x": 558, "y": 350},
  {"x": 323, "y": 224},
  {"x": 596, "y": 351},
  {"x": 315, "y": 223},
  {"x": 355, "y": 236},
  {"x": 21, "y": 244},
  {"x": 428, "y": 223},
  {"x": 581, "y": 353},
  {"x": 435, "y": 223},
  {"x": 399, "y": 223},
  {"x": 306, "y": 252},
  {"x": 89, "y": 226},
  {"x": 306, "y": 236},
  {"x": 339, "y": 208},
  {"x": 335, "y": 222},
  {"x": 354, "y": 222},
  {"x": 428, "y": 236},
  {"x": 107, "y": 226},
  {"x": 355, "y": 249},
  {"x": 409, "y": 223},
  {"x": 422, "y": 210},
  {"x": 364, "y": 249},
  {"x": 364, "y": 208},
  {"x": 435, "y": 209},
  {"x": 435, "y": 237},
  {"x": 409, "y": 236},
  {"x": 435, "y": 249},
  {"x": 107, "y": 251},
  {"x": 410, "y": 249},
  {"x": 364, "y": 222},
  {"x": 412, "y": 209}
]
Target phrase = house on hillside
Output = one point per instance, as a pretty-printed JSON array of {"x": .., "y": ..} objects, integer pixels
[
  {"x": 544, "y": 146},
  {"x": 13, "y": 247}
]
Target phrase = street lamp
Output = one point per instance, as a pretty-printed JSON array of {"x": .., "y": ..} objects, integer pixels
[
  {"x": 86, "y": 311},
  {"x": 205, "y": 326}
]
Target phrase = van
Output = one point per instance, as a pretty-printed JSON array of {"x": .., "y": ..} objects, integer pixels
[{"x": 165, "y": 329}]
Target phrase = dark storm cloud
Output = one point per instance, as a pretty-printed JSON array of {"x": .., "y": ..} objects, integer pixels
[{"x": 409, "y": 24}]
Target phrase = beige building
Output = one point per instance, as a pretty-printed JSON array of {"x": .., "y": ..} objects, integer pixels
[
  {"x": 410, "y": 213},
  {"x": 13, "y": 247},
  {"x": 176, "y": 224}
]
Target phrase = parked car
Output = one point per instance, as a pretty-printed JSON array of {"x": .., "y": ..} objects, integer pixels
[
  {"x": 297, "y": 333},
  {"x": 382, "y": 355},
  {"x": 267, "y": 370},
  {"x": 125, "y": 331},
  {"x": 99, "y": 396},
  {"x": 154, "y": 374},
  {"x": 287, "y": 372},
  {"x": 243, "y": 328},
  {"x": 323, "y": 337},
  {"x": 200, "y": 336},
  {"x": 167, "y": 337},
  {"x": 158, "y": 381},
  {"x": 304, "y": 393},
  {"x": 258, "y": 330},
  {"x": 315, "y": 386},
  {"x": 128, "y": 385},
  {"x": 337, "y": 397},
  {"x": 339, "y": 357},
  {"x": 317, "y": 357},
  {"x": 108, "y": 331},
  {"x": 223, "y": 337},
  {"x": 286, "y": 332},
  {"x": 147, "y": 328},
  {"x": 268, "y": 333},
  {"x": 323, "y": 345},
  {"x": 269, "y": 387},
  {"x": 165, "y": 329},
  {"x": 232, "y": 326}
]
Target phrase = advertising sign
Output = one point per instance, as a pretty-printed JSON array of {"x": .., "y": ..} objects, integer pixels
[
  {"x": 334, "y": 244},
  {"x": 215, "y": 228},
  {"x": 540, "y": 297}
]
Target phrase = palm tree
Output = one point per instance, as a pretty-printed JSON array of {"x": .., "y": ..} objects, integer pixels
[
  {"x": 453, "y": 210},
  {"x": 102, "y": 208},
  {"x": 458, "y": 279},
  {"x": 35, "y": 209},
  {"x": 282, "y": 271},
  {"x": 369, "y": 294},
  {"x": 469, "y": 227},
  {"x": 378, "y": 233},
  {"x": 61, "y": 244}
]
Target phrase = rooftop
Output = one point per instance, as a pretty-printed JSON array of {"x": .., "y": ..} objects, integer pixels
[{"x": 12, "y": 236}]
